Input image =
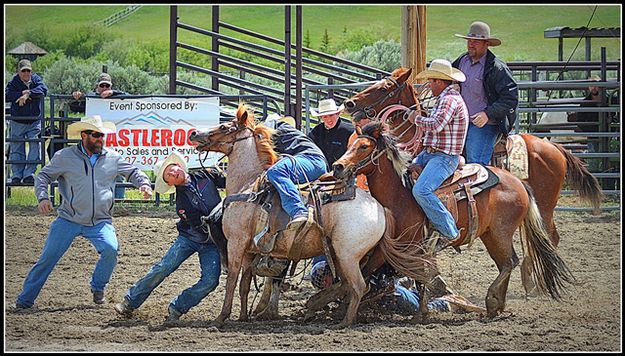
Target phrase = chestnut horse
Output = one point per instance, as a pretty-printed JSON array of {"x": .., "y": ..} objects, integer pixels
[
  {"x": 549, "y": 163},
  {"x": 501, "y": 210},
  {"x": 354, "y": 226}
]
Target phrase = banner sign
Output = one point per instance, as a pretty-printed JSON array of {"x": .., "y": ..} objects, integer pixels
[{"x": 151, "y": 128}]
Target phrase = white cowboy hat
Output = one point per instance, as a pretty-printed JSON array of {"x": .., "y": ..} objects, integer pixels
[
  {"x": 93, "y": 123},
  {"x": 442, "y": 69},
  {"x": 326, "y": 107},
  {"x": 480, "y": 31},
  {"x": 160, "y": 186}
]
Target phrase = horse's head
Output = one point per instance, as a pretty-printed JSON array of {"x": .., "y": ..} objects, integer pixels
[
  {"x": 361, "y": 154},
  {"x": 395, "y": 89},
  {"x": 222, "y": 138}
]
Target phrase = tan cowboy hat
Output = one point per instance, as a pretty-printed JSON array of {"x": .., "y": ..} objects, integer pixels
[
  {"x": 326, "y": 107},
  {"x": 160, "y": 186},
  {"x": 480, "y": 31},
  {"x": 93, "y": 123},
  {"x": 442, "y": 69}
]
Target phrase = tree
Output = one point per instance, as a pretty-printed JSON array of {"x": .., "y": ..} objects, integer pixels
[
  {"x": 307, "y": 39},
  {"x": 325, "y": 41}
]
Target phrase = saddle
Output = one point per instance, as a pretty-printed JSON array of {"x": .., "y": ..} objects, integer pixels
[
  {"x": 270, "y": 220},
  {"x": 510, "y": 153},
  {"x": 466, "y": 182}
]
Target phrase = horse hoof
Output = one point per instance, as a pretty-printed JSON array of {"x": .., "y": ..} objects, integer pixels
[
  {"x": 339, "y": 326},
  {"x": 267, "y": 315}
]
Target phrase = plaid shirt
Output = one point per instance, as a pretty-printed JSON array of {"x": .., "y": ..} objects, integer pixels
[{"x": 446, "y": 127}]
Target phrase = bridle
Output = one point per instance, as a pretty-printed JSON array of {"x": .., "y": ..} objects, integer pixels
[
  {"x": 232, "y": 130},
  {"x": 369, "y": 111},
  {"x": 371, "y": 158}
]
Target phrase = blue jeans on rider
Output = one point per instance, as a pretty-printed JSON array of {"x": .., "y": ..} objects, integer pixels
[
  {"x": 437, "y": 167},
  {"x": 292, "y": 170},
  {"x": 179, "y": 252},
  {"x": 480, "y": 143},
  {"x": 62, "y": 233}
]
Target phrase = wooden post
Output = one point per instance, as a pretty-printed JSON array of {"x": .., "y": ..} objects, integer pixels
[{"x": 413, "y": 38}]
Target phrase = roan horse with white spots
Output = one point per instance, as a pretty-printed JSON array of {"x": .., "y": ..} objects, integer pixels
[{"x": 354, "y": 227}]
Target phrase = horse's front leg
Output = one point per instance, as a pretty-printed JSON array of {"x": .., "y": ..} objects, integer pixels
[
  {"x": 236, "y": 250},
  {"x": 244, "y": 285}
]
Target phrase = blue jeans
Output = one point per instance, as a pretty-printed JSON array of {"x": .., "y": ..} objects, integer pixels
[
  {"x": 62, "y": 233},
  {"x": 437, "y": 167},
  {"x": 288, "y": 171},
  {"x": 480, "y": 143},
  {"x": 408, "y": 299},
  {"x": 179, "y": 252},
  {"x": 18, "y": 149}
]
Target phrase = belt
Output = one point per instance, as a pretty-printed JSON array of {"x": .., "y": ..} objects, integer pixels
[{"x": 431, "y": 149}]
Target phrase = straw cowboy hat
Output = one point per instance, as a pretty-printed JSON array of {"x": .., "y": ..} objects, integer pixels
[
  {"x": 480, "y": 31},
  {"x": 442, "y": 69},
  {"x": 160, "y": 186},
  {"x": 326, "y": 107},
  {"x": 92, "y": 123}
]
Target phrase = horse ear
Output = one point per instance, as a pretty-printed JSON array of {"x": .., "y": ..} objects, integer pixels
[
  {"x": 405, "y": 75},
  {"x": 377, "y": 131},
  {"x": 358, "y": 130},
  {"x": 241, "y": 115}
]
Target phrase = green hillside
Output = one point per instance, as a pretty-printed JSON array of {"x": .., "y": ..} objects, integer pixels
[{"x": 519, "y": 27}]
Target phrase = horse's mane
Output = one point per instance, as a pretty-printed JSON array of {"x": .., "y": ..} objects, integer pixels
[
  {"x": 262, "y": 137},
  {"x": 399, "y": 159}
]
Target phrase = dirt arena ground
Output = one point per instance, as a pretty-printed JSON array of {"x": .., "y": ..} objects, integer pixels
[{"x": 65, "y": 319}]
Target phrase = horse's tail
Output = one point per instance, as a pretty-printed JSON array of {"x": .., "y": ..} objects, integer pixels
[
  {"x": 549, "y": 272},
  {"x": 580, "y": 179},
  {"x": 406, "y": 257}
]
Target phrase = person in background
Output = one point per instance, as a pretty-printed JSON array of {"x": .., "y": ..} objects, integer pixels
[
  {"x": 104, "y": 89},
  {"x": 591, "y": 122},
  {"x": 489, "y": 91},
  {"x": 331, "y": 137},
  {"x": 196, "y": 197},
  {"x": 26, "y": 92},
  {"x": 86, "y": 176}
]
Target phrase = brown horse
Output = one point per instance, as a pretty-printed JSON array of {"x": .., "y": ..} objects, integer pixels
[
  {"x": 549, "y": 163},
  {"x": 501, "y": 210},
  {"x": 354, "y": 226}
]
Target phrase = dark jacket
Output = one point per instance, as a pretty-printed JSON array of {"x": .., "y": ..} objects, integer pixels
[
  {"x": 33, "y": 106},
  {"x": 291, "y": 141},
  {"x": 332, "y": 142},
  {"x": 502, "y": 93},
  {"x": 195, "y": 199}
]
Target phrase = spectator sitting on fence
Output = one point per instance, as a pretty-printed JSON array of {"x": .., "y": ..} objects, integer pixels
[
  {"x": 25, "y": 91},
  {"x": 103, "y": 89}
]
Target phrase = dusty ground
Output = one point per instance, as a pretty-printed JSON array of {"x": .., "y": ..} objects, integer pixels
[{"x": 65, "y": 319}]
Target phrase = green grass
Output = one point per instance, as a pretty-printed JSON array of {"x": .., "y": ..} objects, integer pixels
[{"x": 520, "y": 27}]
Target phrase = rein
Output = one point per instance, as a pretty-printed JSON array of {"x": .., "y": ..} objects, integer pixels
[
  {"x": 414, "y": 144},
  {"x": 233, "y": 129}
]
